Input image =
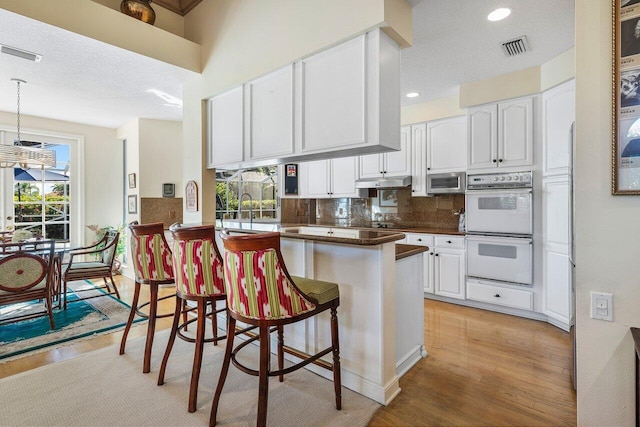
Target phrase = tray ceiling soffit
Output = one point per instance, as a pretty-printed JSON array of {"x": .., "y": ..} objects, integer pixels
[{"x": 181, "y": 7}]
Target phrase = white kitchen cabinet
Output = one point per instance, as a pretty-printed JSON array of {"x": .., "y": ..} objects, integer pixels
[
  {"x": 449, "y": 272},
  {"x": 444, "y": 263},
  {"x": 419, "y": 159},
  {"x": 226, "y": 128},
  {"x": 556, "y": 249},
  {"x": 329, "y": 178},
  {"x": 558, "y": 110},
  {"x": 270, "y": 115},
  {"x": 447, "y": 145},
  {"x": 500, "y": 135},
  {"x": 343, "y": 101},
  {"x": 391, "y": 164}
]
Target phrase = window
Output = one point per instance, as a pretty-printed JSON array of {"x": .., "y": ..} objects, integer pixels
[
  {"x": 256, "y": 188},
  {"x": 41, "y": 196}
]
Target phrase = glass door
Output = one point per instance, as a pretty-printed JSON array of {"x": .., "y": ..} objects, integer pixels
[{"x": 38, "y": 200}]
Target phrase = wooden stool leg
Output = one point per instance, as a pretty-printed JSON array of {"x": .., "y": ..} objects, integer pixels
[
  {"x": 115, "y": 288},
  {"x": 335, "y": 343},
  {"x": 231, "y": 332},
  {"x": 280, "y": 351},
  {"x": 185, "y": 314},
  {"x": 197, "y": 357},
  {"x": 172, "y": 339},
  {"x": 151, "y": 327},
  {"x": 132, "y": 314},
  {"x": 214, "y": 321},
  {"x": 263, "y": 377}
]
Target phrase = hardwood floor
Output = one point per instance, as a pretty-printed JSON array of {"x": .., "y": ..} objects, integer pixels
[{"x": 483, "y": 369}]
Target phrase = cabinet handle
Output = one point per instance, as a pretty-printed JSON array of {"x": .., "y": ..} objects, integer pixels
[
  {"x": 428, "y": 169},
  {"x": 430, "y": 253},
  {"x": 500, "y": 160},
  {"x": 449, "y": 241},
  {"x": 494, "y": 160},
  {"x": 413, "y": 191},
  {"x": 437, "y": 255},
  {"x": 419, "y": 240},
  {"x": 497, "y": 295}
]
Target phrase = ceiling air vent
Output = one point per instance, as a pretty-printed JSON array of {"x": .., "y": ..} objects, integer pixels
[
  {"x": 20, "y": 53},
  {"x": 516, "y": 46}
]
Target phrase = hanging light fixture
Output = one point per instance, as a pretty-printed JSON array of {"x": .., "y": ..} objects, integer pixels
[{"x": 24, "y": 156}]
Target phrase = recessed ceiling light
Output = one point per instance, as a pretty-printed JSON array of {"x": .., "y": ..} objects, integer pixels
[
  {"x": 413, "y": 94},
  {"x": 499, "y": 14}
]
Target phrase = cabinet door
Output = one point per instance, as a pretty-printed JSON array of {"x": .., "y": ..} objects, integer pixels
[
  {"x": 333, "y": 91},
  {"x": 343, "y": 177},
  {"x": 515, "y": 133},
  {"x": 428, "y": 267},
  {"x": 447, "y": 145},
  {"x": 558, "y": 110},
  {"x": 418, "y": 160},
  {"x": 226, "y": 134},
  {"x": 317, "y": 179},
  {"x": 371, "y": 166},
  {"x": 398, "y": 163},
  {"x": 483, "y": 137},
  {"x": 449, "y": 273},
  {"x": 271, "y": 114}
]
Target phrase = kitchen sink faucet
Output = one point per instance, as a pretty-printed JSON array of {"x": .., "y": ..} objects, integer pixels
[{"x": 250, "y": 208}]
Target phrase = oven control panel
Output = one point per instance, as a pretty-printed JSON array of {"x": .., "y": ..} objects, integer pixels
[{"x": 500, "y": 180}]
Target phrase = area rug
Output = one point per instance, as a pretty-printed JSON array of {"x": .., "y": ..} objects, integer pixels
[
  {"x": 81, "y": 319},
  {"x": 101, "y": 388}
]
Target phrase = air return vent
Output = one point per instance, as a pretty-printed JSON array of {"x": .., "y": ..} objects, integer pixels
[
  {"x": 516, "y": 46},
  {"x": 20, "y": 53}
]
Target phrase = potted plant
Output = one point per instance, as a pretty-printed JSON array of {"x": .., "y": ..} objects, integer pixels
[{"x": 120, "y": 247}]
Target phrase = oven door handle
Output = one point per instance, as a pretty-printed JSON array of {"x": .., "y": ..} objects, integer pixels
[
  {"x": 501, "y": 191},
  {"x": 499, "y": 239}
]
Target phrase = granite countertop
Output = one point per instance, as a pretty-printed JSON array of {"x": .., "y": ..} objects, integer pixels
[
  {"x": 404, "y": 251},
  {"x": 346, "y": 235}
]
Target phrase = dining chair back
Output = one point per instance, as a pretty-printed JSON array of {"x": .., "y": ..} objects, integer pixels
[{"x": 26, "y": 274}]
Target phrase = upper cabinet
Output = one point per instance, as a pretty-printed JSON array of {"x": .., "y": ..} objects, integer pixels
[
  {"x": 500, "y": 135},
  {"x": 344, "y": 101},
  {"x": 226, "y": 125},
  {"x": 558, "y": 110},
  {"x": 447, "y": 145},
  {"x": 270, "y": 115},
  {"x": 329, "y": 178},
  {"x": 391, "y": 164}
]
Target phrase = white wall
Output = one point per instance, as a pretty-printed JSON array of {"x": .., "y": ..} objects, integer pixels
[
  {"x": 607, "y": 235},
  {"x": 160, "y": 156},
  {"x": 131, "y": 133},
  {"x": 243, "y": 39},
  {"x": 102, "y": 179}
]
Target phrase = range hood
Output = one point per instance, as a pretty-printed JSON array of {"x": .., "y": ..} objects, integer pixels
[{"x": 397, "y": 182}]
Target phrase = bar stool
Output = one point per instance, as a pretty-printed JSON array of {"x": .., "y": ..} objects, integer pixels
[
  {"x": 261, "y": 293},
  {"x": 197, "y": 264},
  {"x": 152, "y": 265}
]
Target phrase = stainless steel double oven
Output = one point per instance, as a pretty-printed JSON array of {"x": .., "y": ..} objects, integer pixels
[{"x": 500, "y": 227}]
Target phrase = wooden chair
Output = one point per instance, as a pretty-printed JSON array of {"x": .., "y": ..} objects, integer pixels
[
  {"x": 197, "y": 264},
  {"x": 152, "y": 265},
  {"x": 261, "y": 293},
  {"x": 101, "y": 268},
  {"x": 26, "y": 274}
]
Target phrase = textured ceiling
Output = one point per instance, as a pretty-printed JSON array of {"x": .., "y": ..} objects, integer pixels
[
  {"x": 454, "y": 43},
  {"x": 85, "y": 81}
]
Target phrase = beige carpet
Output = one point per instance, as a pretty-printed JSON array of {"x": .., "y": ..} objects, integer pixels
[{"x": 101, "y": 388}]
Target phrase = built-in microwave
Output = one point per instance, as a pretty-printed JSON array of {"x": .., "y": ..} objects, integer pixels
[{"x": 443, "y": 183}]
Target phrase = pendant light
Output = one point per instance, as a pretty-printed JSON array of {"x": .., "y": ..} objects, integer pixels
[{"x": 23, "y": 156}]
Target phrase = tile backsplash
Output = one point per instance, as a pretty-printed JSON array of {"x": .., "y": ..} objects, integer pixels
[{"x": 393, "y": 207}]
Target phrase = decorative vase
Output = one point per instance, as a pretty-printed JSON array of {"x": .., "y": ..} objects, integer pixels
[{"x": 139, "y": 9}]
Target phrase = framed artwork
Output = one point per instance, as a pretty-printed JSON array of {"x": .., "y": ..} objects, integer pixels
[
  {"x": 132, "y": 204},
  {"x": 191, "y": 196},
  {"x": 387, "y": 198},
  {"x": 132, "y": 180},
  {"x": 626, "y": 98}
]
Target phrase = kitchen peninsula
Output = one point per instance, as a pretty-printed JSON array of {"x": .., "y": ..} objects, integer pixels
[{"x": 381, "y": 301}]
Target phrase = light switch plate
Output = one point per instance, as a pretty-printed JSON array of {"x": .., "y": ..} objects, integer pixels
[{"x": 602, "y": 306}]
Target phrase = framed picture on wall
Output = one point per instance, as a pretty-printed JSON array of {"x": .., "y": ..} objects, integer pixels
[
  {"x": 132, "y": 180},
  {"x": 626, "y": 98},
  {"x": 132, "y": 204},
  {"x": 191, "y": 196},
  {"x": 388, "y": 198}
]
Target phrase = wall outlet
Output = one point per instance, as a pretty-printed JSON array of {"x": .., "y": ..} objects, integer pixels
[{"x": 602, "y": 306}]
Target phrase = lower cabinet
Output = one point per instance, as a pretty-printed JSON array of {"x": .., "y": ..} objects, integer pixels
[
  {"x": 444, "y": 263},
  {"x": 500, "y": 295}
]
